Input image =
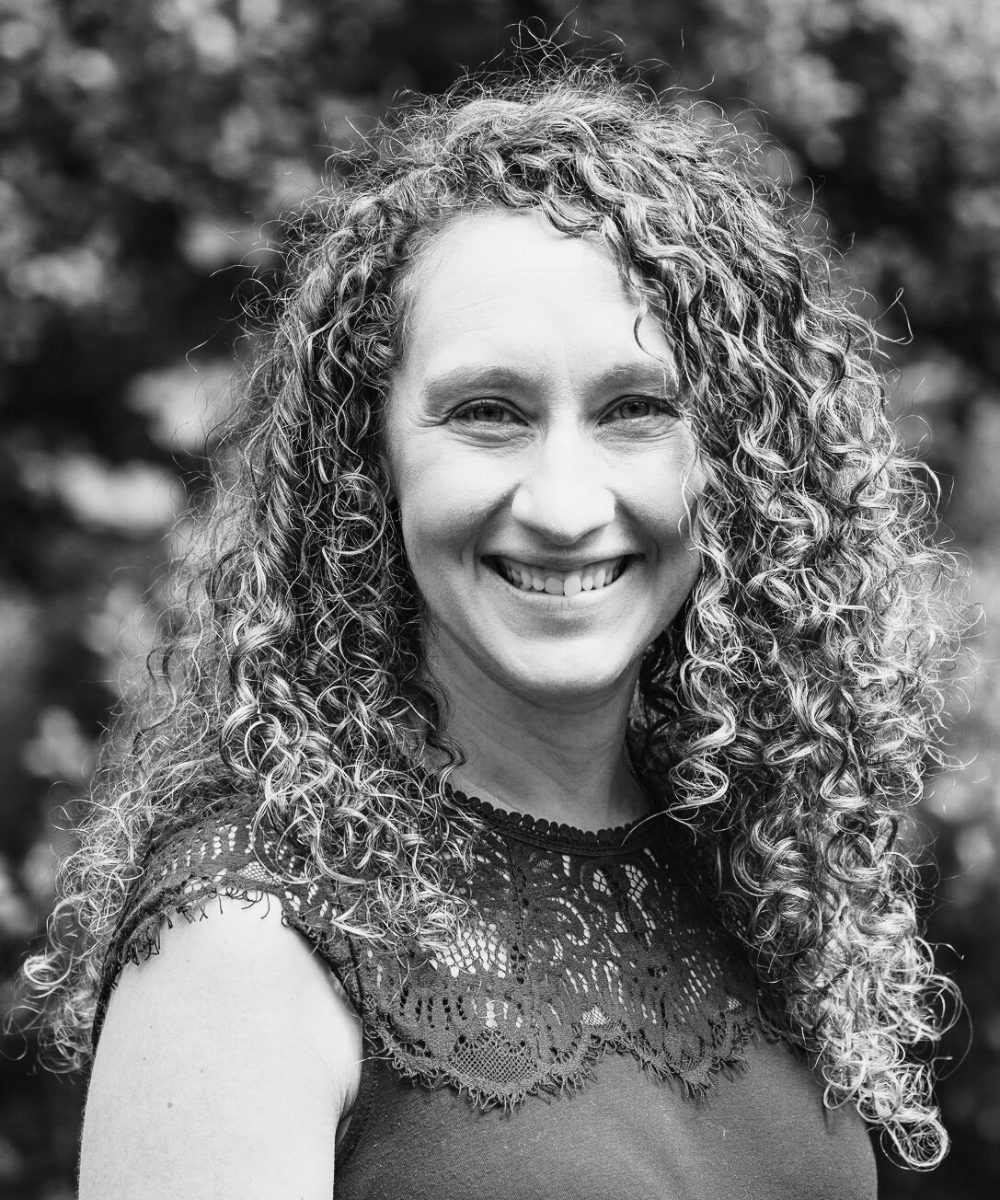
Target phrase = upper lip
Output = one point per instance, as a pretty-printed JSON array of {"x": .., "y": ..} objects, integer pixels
[{"x": 560, "y": 564}]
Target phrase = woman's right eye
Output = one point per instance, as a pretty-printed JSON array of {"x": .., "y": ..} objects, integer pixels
[{"x": 485, "y": 412}]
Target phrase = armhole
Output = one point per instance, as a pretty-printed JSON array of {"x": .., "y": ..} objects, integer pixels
[{"x": 361, "y": 1109}]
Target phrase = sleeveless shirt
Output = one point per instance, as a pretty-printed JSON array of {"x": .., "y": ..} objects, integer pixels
[{"x": 595, "y": 1035}]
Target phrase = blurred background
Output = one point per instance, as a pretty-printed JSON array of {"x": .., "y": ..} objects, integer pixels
[{"x": 147, "y": 152}]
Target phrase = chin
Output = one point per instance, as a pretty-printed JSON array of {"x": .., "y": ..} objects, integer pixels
[{"x": 554, "y": 680}]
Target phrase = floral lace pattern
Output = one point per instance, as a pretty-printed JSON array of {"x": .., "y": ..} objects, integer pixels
[{"x": 579, "y": 943}]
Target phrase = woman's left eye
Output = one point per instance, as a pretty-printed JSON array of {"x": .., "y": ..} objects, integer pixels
[{"x": 634, "y": 408}]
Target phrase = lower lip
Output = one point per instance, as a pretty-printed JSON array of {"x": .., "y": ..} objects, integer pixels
[{"x": 548, "y": 600}]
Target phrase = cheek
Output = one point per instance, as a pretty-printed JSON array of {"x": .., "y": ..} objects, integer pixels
[
  {"x": 444, "y": 500},
  {"x": 665, "y": 501},
  {"x": 687, "y": 485}
]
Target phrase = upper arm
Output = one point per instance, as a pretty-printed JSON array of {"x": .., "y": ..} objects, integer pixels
[{"x": 224, "y": 1066}]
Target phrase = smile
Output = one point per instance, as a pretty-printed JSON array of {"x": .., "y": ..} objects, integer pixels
[{"x": 590, "y": 578}]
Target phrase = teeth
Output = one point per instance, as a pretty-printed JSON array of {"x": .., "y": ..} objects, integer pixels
[{"x": 594, "y": 577}]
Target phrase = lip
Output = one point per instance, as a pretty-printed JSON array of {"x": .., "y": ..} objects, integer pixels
[{"x": 560, "y": 566}]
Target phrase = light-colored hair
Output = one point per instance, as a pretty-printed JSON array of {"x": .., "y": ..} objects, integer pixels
[{"x": 793, "y": 702}]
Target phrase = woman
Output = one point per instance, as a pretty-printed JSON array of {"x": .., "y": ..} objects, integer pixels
[{"x": 564, "y": 659}]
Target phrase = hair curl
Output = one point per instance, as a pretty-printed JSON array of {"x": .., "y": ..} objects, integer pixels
[{"x": 794, "y": 701}]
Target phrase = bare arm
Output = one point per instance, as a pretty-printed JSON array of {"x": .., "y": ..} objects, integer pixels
[{"x": 224, "y": 1067}]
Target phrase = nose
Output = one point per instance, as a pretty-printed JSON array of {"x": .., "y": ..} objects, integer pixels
[{"x": 564, "y": 495}]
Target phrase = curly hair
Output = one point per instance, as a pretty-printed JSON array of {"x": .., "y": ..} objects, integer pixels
[{"x": 792, "y": 705}]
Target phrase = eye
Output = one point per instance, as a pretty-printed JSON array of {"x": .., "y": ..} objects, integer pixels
[
  {"x": 485, "y": 412},
  {"x": 636, "y": 408}
]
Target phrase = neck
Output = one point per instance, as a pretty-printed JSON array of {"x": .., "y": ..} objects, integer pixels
[{"x": 561, "y": 762}]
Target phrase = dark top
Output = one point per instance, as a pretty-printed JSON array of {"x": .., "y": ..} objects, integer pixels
[{"x": 596, "y": 1035}]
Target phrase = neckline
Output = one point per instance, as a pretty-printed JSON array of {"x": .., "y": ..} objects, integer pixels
[{"x": 555, "y": 835}]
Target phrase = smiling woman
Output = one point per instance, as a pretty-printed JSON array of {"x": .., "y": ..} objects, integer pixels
[{"x": 563, "y": 657}]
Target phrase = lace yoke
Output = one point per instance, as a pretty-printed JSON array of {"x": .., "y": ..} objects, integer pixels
[{"x": 579, "y": 943}]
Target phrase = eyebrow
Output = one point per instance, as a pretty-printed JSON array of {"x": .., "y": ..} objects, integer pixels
[{"x": 456, "y": 381}]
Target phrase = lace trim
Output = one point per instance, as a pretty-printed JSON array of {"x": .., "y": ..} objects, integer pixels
[
  {"x": 570, "y": 953},
  {"x": 554, "y": 835}
]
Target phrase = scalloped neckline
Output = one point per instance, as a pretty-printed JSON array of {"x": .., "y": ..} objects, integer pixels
[{"x": 556, "y": 835}]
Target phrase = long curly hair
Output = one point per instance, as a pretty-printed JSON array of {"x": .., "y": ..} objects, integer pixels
[{"x": 792, "y": 705}]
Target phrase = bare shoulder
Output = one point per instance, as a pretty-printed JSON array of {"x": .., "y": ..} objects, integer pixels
[{"x": 225, "y": 1064}]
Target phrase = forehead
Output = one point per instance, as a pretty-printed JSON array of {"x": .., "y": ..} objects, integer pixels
[{"x": 510, "y": 284}]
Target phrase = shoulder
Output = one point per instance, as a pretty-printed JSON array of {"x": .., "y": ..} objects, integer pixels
[
  {"x": 226, "y": 1061},
  {"x": 184, "y": 874}
]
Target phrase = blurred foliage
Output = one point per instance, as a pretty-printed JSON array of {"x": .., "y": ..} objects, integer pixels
[{"x": 147, "y": 151}]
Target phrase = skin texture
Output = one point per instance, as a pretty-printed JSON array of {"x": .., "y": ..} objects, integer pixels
[
  {"x": 526, "y": 420},
  {"x": 205, "y": 1086}
]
